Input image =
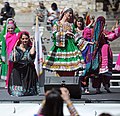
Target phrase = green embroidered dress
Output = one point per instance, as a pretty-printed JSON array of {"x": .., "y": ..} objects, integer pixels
[{"x": 64, "y": 55}]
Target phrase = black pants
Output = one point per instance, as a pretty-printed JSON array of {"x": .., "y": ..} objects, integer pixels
[{"x": 1, "y": 20}]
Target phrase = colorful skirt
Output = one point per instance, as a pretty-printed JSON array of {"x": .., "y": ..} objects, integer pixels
[
  {"x": 68, "y": 58},
  {"x": 23, "y": 80}
]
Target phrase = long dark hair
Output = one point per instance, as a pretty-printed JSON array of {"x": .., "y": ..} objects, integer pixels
[
  {"x": 20, "y": 34},
  {"x": 54, "y": 6},
  {"x": 80, "y": 19},
  {"x": 53, "y": 104}
]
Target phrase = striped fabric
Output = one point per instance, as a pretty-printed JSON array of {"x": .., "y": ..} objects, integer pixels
[{"x": 65, "y": 56}]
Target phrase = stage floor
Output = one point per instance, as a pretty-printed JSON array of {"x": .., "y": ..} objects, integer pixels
[
  {"x": 89, "y": 105},
  {"x": 104, "y": 97}
]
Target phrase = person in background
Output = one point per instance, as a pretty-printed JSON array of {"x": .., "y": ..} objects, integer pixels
[
  {"x": 76, "y": 15},
  {"x": 54, "y": 101},
  {"x": 42, "y": 14},
  {"x": 114, "y": 4},
  {"x": 54, "y": 14},
  {"x": 7, "y": 12},
  {"x": 84, "y": 40},
  {"x": 9, "y": 38},
  {"x": 23, "y": 77}
]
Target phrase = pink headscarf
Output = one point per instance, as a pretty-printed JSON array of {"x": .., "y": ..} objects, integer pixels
[
  {"x": 20, "y": 35},
  {"x": 11, "y": 24}
]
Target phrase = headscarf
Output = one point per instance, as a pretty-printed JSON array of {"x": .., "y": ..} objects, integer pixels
[
  {"x": 11, "y": 24},
  {"x": 4, "y": 31},
  {"x": 20, "y": 35},
  {"x": 10, "y": 19},
  {"x": 64, "y": 11}
]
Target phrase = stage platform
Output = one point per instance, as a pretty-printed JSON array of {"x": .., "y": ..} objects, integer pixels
[
  {"x": 89, "y": 105},
  {"x": 104, "y": 97}
]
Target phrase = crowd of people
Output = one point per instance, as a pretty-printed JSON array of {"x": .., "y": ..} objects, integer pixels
[{"x": 81, "y": 48}]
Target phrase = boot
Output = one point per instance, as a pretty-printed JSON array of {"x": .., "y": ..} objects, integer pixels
[
  {"x": 107, "y": 88},
  {"x": 86, "y": 90}
]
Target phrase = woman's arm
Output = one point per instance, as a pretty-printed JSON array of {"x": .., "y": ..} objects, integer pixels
[
  {"x": 66, "y": 97},
  {"x": 32, "y": 50},
  {"x": 113, "y": 34}
]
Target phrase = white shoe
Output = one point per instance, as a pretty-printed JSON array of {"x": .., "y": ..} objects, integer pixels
[{"x": 87, "y": 91}]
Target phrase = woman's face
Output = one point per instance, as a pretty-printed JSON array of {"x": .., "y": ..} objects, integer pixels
[
  {"x": 24, "y": 39},
  {"x": 79, "y": 24},
  {"x": 68, "y": 15},
  {"x": 10, "y": 29}
]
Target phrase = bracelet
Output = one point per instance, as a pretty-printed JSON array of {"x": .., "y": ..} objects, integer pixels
[
  {"x": 69, "y": 104},
  {"x": 72, "y": 109}
]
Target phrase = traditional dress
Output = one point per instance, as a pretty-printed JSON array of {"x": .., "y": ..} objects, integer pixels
[
  {"x": 4, "y": 63},
  {"x": 83, "y": 42},
  {"x": 64, "y": 55},
  {"x": 104, "y": 57},
  {"x": 83, "y": 39},
  {"x": 106, "y": 65},
  {"x": 115, "y": 35},
  {"x": 23, "y": 77}
]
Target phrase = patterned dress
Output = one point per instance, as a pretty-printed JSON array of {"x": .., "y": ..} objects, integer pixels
[
  {"x": 83, "y": 39},
  {"x": 64, "y": 55},
  {"x": 23, "y": 79},
  {"x": 83, "y": 42}
]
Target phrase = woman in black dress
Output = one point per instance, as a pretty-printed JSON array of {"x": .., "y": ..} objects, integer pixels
[{"x": 23, "y": 79}]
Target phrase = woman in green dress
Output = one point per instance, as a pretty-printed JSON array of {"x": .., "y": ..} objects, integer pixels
[{"x": 64, "y": 57}]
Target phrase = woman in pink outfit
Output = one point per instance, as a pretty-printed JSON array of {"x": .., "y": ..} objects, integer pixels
[
  {"x": 112, "y": 36},
  {"x": 116, "y": 34},
  {"x": 103, "y": 58},
  {"x": 106, "y": 59},
  {"x": 11, "y": 39}
]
